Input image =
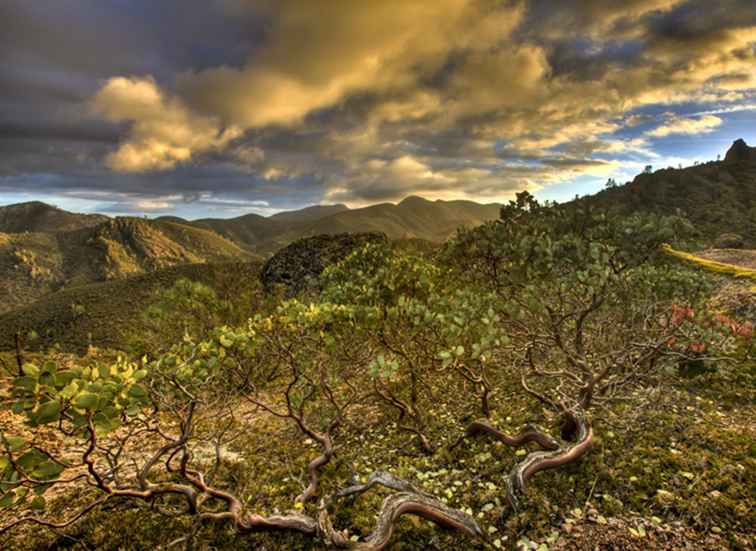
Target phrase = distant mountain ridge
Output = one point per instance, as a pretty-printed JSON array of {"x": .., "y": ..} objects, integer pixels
[
  {"x": 412, "y": 218},
  {"x": 311, "y": 214}
]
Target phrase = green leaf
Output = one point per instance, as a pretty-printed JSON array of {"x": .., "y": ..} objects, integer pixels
[
  {"x": 86, "y": 400},
  {"x": 42, "y": 488},
  {"x": 63, "y": 378},
  {"x": 15, "y": 443},
  {"x": 47, "y": 413},
  {"x": 69, "y": 391},
  {"x": 138, "y": 392},
  {"x": 47, "y": 470},
  {"x": 38, "y": 503},
  {"x": 29, "y": 461},
  {"x": 140, "y": 374},
  {"x": 49, "y": 367},
  {"x": 21, "y": 494},
  {"x": 30, "y": 370},
  {"x": 225, "y": 341},
  {"x": 6, "y": 500},
  {"x": 106, "y": 424},
  {"x": 27, "y": 383}
]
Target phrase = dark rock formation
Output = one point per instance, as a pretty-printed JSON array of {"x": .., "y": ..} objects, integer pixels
[
  {"x": 729, "y": 241},
  {"x": 740, "y": 151},
  {"x": 298, "y": 266}
]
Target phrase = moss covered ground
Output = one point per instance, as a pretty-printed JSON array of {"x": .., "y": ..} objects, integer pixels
[{"x": 675, "y": 472}]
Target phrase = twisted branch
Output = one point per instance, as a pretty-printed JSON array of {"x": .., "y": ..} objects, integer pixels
[
  {"x": 529, "y": 433},
  {"x": 542, "y": 460},
  {"x": 408, "y": 501}
]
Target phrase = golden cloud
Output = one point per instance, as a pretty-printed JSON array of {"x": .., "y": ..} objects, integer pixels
[
  {"x": 688, "y": 126},
  {"x": 163, "y": 131},
  {"x": 321, "y": 52}
]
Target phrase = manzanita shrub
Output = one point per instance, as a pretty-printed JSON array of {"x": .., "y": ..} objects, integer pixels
[{"x": 81, "y": 403}]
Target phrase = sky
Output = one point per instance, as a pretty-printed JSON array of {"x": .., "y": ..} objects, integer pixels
[{"x": 222, "y": 107}]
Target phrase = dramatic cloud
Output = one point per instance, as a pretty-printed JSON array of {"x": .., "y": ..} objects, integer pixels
[
  {"x": 237, "y": 103},
  {"x": 164, "y": 132},
  {"x": 321, "y": 52}
]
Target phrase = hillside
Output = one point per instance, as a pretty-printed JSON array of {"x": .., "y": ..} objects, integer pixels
[
  {"x": 36, "y": 216},
  {"x": 34, "y": 264},
  {"x": 247, "y": 231},
  {"x": 414, "y": 217},
  {"x": 718, "y": 197},
  {"x": 103, "y": 313},
  {"x": 134, "y": 245}
]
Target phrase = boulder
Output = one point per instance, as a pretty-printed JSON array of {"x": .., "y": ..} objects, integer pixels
[{"x": 298, "y": 266}]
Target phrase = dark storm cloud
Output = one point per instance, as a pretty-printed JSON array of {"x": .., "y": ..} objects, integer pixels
[
  {"x": 229, "y": 103},
  {"x": 66, "y": 131}
]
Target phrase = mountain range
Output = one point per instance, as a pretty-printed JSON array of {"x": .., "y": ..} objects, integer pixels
[{"x": 44, "y": 249}]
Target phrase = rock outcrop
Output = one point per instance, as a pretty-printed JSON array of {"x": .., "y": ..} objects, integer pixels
[
  {"x": 740, "y": 151},
  {"x": 298, "y": 266}
]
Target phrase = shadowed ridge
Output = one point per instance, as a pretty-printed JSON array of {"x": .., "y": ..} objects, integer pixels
[{"x": 36, "y": 216}]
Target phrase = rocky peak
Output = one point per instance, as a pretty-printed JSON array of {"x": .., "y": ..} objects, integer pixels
[{"x": 740, "y": 151}]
